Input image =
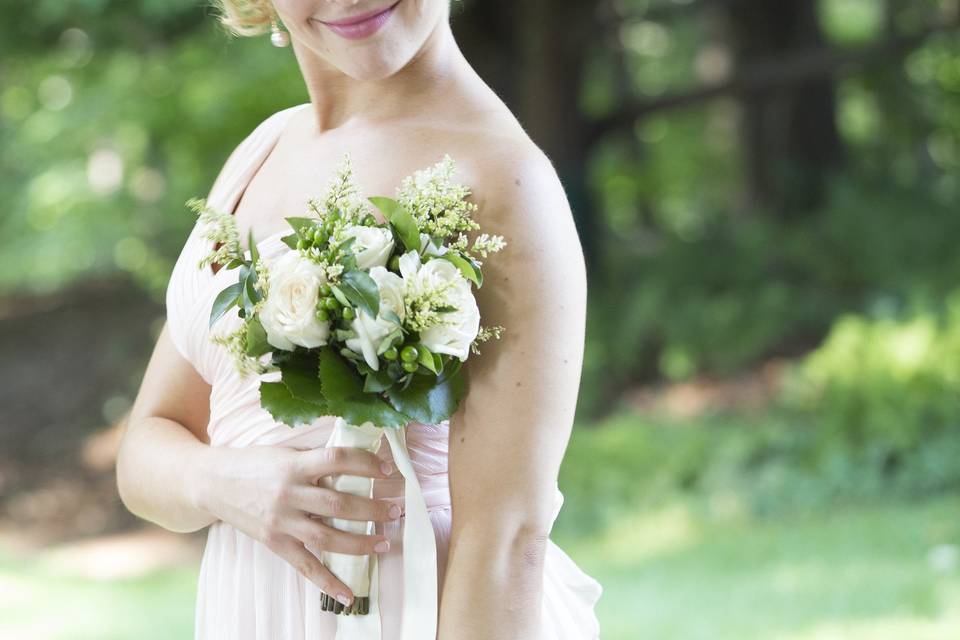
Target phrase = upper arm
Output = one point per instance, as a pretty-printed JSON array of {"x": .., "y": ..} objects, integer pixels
[
  {"x": 509, "y": 435},
  {"x": 172, "y": 389}
]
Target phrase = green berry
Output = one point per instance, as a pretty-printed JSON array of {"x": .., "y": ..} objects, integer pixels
[
  {"x": 349, "y": 313},
  {"x": 409, "y": 353},
  {"x": 391, "y": 353},
  {"x": 323, "y": 315},
  {"x": 331, "y": 303},
  {"x": 410, "y": 366},
  {"x": 325, "y": 289}
]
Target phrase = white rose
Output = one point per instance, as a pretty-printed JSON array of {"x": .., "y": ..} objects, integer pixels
[
  {"x": 372, "y": 247},
  {"x": 289, "y": 312},
  {"x": 371, "y": 331},
  {"x": 461, "y": 326}
]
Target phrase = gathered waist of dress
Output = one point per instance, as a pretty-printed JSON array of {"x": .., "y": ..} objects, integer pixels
[{"x": 435, "y": 490}]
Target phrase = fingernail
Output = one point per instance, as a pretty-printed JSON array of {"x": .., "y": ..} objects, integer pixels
[
  {"x": 387, "y": 468},
  {"x": 343, "y": 599},
  {"x": 382, "y": 546},
  {"x": 394, "y": 511}
]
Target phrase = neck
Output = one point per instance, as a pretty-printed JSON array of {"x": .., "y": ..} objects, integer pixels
[{"x": 338, "y": 99}]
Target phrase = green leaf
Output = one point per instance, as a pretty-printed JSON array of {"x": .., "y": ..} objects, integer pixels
[
  {"x": 304, "y": 382},
  {"x": 400, "y": 218},
  {"x": 343, "y": 390},
  {"x": 377, "y": 381},
  {"x": 428, "y": 401},
  {"x": 469, "y": 271},
  {"x": 290, "y": 240},
  {"x": 252, "y": 245},
  {"x": 224, "y": 301},
  {"x": 299, "y": 223},
  {"x": 362, "y": 291},
  {"x": 450, "y": 369},
  {"x": 477, "y": 270},
  {"x": 347, "y": 245},
  {"x": 277, "y": 399},
  {"x": 425, "y": 357},
  {"x": 339, "y": 295},
  {"x": 388, "y": 340},
  {"x": 391, "y": 315},
  {"x": 256, "y": 343}
]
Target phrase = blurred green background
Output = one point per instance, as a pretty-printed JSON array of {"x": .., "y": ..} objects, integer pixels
[{"x": 768, "y": 434}]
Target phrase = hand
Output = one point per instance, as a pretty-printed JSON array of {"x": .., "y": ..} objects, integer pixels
[{"x": 275, "y": 495}]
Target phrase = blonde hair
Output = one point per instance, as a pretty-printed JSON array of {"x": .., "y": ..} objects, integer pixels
[{"x": 245, "y": 17}]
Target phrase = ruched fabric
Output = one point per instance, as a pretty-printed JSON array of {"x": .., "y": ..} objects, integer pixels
[{"x": 247, "y": 592}]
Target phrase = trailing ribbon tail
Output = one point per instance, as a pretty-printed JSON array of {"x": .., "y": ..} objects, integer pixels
[
  {"x": 419, "y": 614},
  {"x": 419, "y": 550}
]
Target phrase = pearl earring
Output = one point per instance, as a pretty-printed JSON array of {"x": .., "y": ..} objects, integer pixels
[{"x": 278, "y": 37}]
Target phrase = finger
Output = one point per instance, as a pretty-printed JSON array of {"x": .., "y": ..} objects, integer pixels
[
  {"x": 336, "y": 504},
  {"x": 315, "y": 463},
  {"x": 308, "y": 565},
  {"x": 317, "y": 534}
]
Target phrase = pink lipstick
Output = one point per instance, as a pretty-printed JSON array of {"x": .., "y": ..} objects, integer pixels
[{"x": 361, "y": 25}]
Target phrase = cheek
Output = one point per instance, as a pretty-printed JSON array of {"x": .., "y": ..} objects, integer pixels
[{"x": 295, "y": 14}]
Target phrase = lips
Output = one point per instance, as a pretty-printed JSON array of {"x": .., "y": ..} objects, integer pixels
[{"x": 361, "y": 25}]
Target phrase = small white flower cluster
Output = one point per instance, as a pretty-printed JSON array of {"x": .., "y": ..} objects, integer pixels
[
  {"x": 485, "y": 243},
  {"x": 436, "y": 202},
  {"x": 263, "y": 277},
  {"x": 216, "y": 227},
  {"x": 235, "y": 343},
  {"x": 425, "y": 309},
  {"x": 343, "y": 195},
  {"x": 484, "y": 334}
]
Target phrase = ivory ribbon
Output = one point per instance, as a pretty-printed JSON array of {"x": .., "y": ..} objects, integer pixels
[{"x": 419, "y": 613}]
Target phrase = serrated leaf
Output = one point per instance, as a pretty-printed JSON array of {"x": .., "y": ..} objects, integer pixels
[
  {"x": 224, "y": 301},
  {"x": 343, "y": 390},
  {"x": 428, "y": 401},
  {"x": 277, "y": 399},
  {"x": 362, "y": 291},
  {"x": 401, "y": 220},
  {"x": 377, "y": 381}
]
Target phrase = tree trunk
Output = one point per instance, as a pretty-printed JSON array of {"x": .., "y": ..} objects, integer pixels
[{"x": 790, "y": 136}]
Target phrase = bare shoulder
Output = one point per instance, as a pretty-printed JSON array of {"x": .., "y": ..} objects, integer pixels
[
  {"x": 520, "y": 196},
  {"x": 539, "y": 277}
]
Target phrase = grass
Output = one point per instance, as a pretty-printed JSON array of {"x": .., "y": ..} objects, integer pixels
[
  {"x": 38, "y": 602},
  {"x": 691, "y": 570},
  {"x": 858, "y": 573}
]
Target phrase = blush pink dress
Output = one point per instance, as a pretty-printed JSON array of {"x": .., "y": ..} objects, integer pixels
[{"x": 247, "y": 592}]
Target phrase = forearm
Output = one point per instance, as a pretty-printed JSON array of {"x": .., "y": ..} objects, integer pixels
[
  {"x": 494, "y": 583},
  {"x": 159, "y": 471}
]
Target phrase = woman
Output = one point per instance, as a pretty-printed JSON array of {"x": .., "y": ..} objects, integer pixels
[{"x": 388, "y": 84}]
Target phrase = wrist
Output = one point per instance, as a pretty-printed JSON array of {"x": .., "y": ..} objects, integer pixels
[{"x": 199, "y": 476}]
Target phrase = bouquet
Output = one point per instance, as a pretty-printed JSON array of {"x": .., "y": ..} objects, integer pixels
[{"x": 365, "y": 320}]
